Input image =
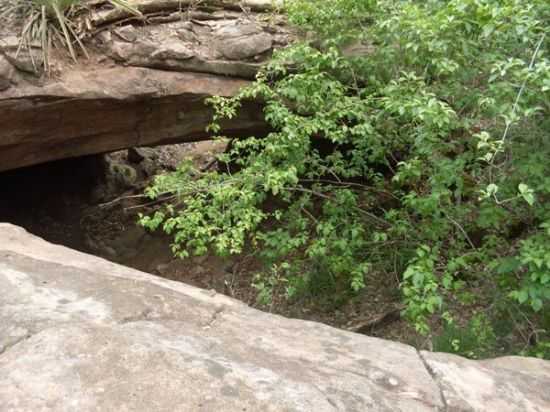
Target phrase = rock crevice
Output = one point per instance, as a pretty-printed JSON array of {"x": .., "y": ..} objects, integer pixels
[
  {"x": 10, "y": 343},
  {"x": 435, "y": 379}
]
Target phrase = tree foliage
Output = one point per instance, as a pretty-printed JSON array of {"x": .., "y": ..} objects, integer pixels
[{"x": 410, "y": 139}]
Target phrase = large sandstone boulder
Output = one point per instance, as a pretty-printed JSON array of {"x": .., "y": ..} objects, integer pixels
[
  {"x": 144, "y": 84},
  {"x": 78, "y": 333}
]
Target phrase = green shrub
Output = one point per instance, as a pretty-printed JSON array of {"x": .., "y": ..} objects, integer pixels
[
  {"x": 410, "y": 139},
  {"x": 475, "y": 340},
  {"x": 540, "y": 350}
]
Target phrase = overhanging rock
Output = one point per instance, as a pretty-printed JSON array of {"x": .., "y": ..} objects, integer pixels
[
  {"x": 145, "y": 82},
  {"x": 78, "y": 333},
  {"x": 111, "y": 109}
]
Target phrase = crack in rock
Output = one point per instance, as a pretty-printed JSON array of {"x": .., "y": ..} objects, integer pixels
[
  {"x": 324, "y": 395},
  {"x": 145, "y": 316},
  {"x": 10, "y": 345},
  {"x": 434, "y": 377}
]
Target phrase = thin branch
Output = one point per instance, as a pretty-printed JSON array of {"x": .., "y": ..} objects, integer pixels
[
  {"x": 368, "y": 326},
  {"x": 121, "y": 198},
  {"x": 208, "y": 165},
  {"x": 307, "y": 212},
  {"x": 459, "y": 227},
  {"x": 518, "y": 97},
  {"x": 153, "y": 202},
  {"x": 323, "y": 196},
  {"x": 350, "y": 184}
]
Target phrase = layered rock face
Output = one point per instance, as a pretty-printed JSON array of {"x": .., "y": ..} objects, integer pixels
[
  {"x": 145, "y": 82},
  {"x": 78, "y": 333}
]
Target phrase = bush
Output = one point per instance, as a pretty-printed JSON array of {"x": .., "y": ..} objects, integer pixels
[
  {"x": 410, "y": 140},
  {"x": 475, "y": 340}
]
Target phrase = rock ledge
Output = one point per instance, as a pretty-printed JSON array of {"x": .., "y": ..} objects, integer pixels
[
  {"x": 80, "y": 333},
  {"x": 145, "y": 82}
]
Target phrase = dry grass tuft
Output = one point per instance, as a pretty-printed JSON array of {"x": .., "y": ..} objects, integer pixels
[{"x": 51, "y": 23}]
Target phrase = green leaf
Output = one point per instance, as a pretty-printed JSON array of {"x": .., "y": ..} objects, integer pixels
[
  {"x": 536, "y": 304},
  {"x": 508, "y": 265},
  {"x": 527, "y": 193},
  {"x": 522, "y": 296}
]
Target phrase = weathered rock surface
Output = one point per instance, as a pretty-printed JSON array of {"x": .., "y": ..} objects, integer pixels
[
  {"x": 110, "y": 109},
  {"x": 78, "y": 333},
  {"x": 144, "y": 84}
]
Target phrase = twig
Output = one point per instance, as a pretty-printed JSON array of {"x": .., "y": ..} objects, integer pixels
[
  {"x": 351, "y": 184},
  {"x": 121, "y": 198},
  {"x": 459, "y": 227},
  {"x": 368, "y": 326},
  {"x": 323, "y": 196},
  {"x": 307, "y": 212},
  {"x": 522, "y": 88},
  {"x": 525, "y": 338},
  {"x": 154, "y": 202},
  {"x": 208, "y": 165}
]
